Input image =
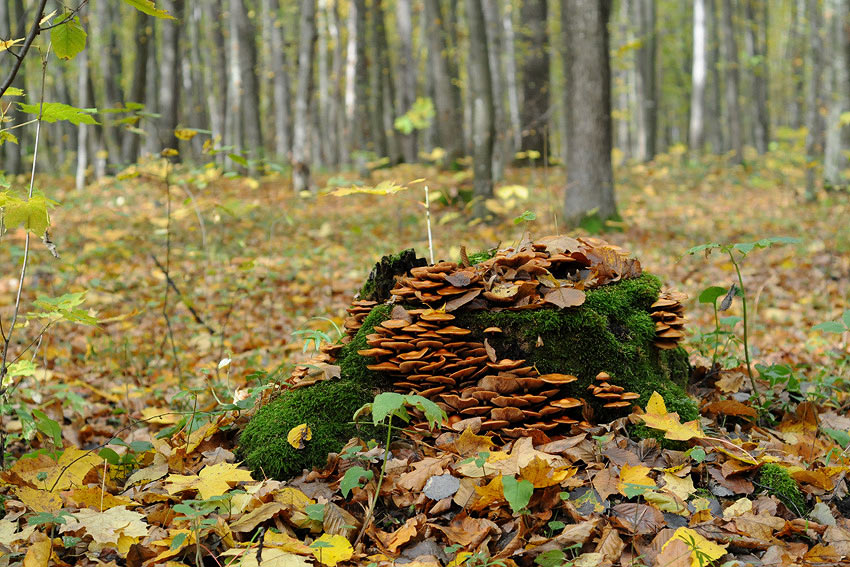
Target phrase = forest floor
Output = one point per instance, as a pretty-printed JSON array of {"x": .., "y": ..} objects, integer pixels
[{"x": 251, "y": 263}]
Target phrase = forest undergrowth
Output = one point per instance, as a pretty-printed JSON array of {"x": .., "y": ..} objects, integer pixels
[{"x": 200, "y": 287}]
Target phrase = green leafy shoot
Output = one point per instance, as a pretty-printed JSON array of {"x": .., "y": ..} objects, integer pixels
[
  {"x": 64, "y": 307},
  {"x": 354, "y": 477},
  {"x": 149, "y": 8},
  {"x": 68, "y": 38},
  {"x": 517, "y": 492}
]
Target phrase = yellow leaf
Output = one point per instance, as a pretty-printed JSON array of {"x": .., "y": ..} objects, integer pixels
[
  {"x": 681, "y": 487},
  {"x": 541, "y": 474},
  {"x": 634, "y": 479},
  {"x": 72, "y": 468},
  {"x": 185, "y": 133},
  {"x": 94, "y": 497},
  {"x": 286, "y": 542},
  {"x": 460, "y": 558},
  {"x": 299, "y": 435},
  {"x": 331, "y": 549},
  {"x": 469, "y": 444},
  {"x": 703, "y": 551},
  {"x": 39, "y": 552},
  {"x": 9, "y": 533},
  {"x": 107, "y": 527},
  {"x": 741, "y": 506},
  {"x": 212, "y": 481},
  {"x": 657, "y": 417},
  {"x": 4, "y": 45},
  {"x": 489, "y": 493},
  {"x": 38, "y": 500}
]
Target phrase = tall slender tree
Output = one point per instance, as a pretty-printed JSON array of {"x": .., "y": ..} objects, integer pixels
[
  {"x": 169, "y": 75},
  {"x": 282, "y": 119},
  {"x": 535, "y": 75},
  {"x": 646, "y": 86},
  {"x": 356, "y": 78},
  {"x": 12, "y": 24},
  {"x": 448, "y": 118},
  {"x": 590, "y": 177},
  {"x": 481, "y": 94},
  {"x": 838, "y": 93},
  {"x": 301, "y": 154},
  {"x": 756, "y": 38},
  {"x": 814, "y": 122},
  {"x": 406, "y": 75},
  {"x": 696, "y": 133},
  {"x": 730, "y": 56}
]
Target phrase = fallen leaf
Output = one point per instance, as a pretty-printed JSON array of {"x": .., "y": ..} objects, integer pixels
[
  {"x": 702, "y": 550},
  {"x": 299, "y": 435},
  {"x": 657, "y": 417},
  {"x": 331, "y": 549}
]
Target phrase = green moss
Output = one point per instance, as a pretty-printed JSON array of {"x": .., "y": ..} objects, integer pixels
[
  {"x": 353, "y": 365},
  {"x": 327, "y": 407},
  {"x": 478, "y": 257},
  {"x": 778, "y": 481}
]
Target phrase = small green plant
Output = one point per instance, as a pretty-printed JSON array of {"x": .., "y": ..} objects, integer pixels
[
  {"x": 518, "y": 493},
  {"x": 737, "y": 252},
  {"x": 386, "y": 407},
  {"x": 317, "y": 337}
]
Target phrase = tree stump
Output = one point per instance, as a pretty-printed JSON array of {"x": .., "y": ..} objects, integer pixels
[{"x": 554, "y": 335}]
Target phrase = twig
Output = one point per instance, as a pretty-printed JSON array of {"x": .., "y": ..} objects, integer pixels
[
  {"x": 19, "y": 57},
  {"x": 188, "y": 306}
]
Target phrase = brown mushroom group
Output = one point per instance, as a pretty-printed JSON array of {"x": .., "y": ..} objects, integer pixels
[
  {"x": 668, "y": 314},
  {"x": 422, "y": 349}
]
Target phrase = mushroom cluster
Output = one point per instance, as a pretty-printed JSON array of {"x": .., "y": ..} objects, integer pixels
[
  {"x": 423, "y": 351},
  {"x": 668, "y": 314},
  {"x": 553, "y": 271}
]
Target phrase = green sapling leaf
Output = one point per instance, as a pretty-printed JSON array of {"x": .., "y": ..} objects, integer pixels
[
  {"x": 517, "y": 492},
  {"x": 710, "y": 294}
]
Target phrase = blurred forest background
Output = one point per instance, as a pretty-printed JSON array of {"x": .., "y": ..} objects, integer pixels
[{"x": 292, "y": 86}]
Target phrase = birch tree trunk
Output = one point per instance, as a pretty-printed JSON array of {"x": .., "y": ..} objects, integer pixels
[
  {"x": 839, "y": 96},
  {"x": 356, "y": 78},
  {"x": 303, "y": 93},
  {"x": 326, "y": 137},
  {"x": 83, "y": 130},
  {"x": 590, "y": 178},
  {"x": 535, "y": 76},
  {"x": 406, "y": 76},
  {"x": 248, "y": 91},
  {"x": 448, "y": 111},
  {"x": 481, "y": 94},
  {"x": 715, "y": 106},
  {"x": 106, "y": 42},
  {"x": 696, "y": 131},
  {"x": 336, "y": 115},
  {"x": 733, "y": 110}
]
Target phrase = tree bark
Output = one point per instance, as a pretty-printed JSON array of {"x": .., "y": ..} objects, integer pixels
[
  {"x": 481, "y": 94},
  {"x": 696, "y": 131},
  {"x": 216, "y": 72},
  {"x": 715, "y": 106},
  {"x": 535, "y": 76},
  {"x": 406, "y": 76},
  {"x": 303, "y": 93},
  {"x": 495, "y": 50},
  {"x": 645, "y": 79},
  {"x": 280, "y": 83},
  {"x": 83, "y": 130},
  {"x": 814, "y": 123},
  {"x": 839, "y": 96},
  {"x": 448, "y": 110},
  {"x": 511, "y": 78},
  {"x": 169, "y": 74},
  {"x": 733, "y": 110},
  {"x": 106, "y": 41},
  {"x": 757, "y": 47},
  {"x": 590, "y": 187},
  {"x": 141, "y": 35},
  {"x": 376, "y": 81},
  {"x": 249, "y": 87}
]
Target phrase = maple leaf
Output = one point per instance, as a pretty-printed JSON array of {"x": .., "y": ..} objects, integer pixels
[
  {"x": 38, "y": 554},
  {"x": 108, "y": 526},
  {"x": 213, "y": 480},
  {"x": 9, "y": 533},
  {"x": 657, "y": 417},
  {"x": 541, "y": 474},
  {"x": 38, "y": 500},
  {"x": 299, "y": 435}
]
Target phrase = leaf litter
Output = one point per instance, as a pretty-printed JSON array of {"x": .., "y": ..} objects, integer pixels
[{"x": 599, "y": 497}]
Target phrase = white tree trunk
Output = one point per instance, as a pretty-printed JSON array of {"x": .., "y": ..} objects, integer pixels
[
  {"x": 839, "y": 97},
  {"x": 301, "y": 129},
  {"x": 696, "y": 133}
]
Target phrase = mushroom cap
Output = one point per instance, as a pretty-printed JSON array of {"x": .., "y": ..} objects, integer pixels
[
  {"x": 558, "y": 378},
  {"x": 618, "y": 404},
  {"x": 490, "y": 330},
  {"x": 565, "y": 403}
]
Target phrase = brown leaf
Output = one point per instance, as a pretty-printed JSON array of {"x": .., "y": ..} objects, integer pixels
[
  {"x": 605, "y": 482},
  {"x": 610, "y": 544},
  {"x": 638, "y": 518},
  {"x": 676, "y": 553},
  {"x": 462, "y": 300},
  {"x": 564, "y": 297}
]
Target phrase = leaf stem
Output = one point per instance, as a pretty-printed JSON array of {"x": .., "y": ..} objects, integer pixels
[
  {"x": 374, "y": 500},
  {"x": 746, "y": 332}
]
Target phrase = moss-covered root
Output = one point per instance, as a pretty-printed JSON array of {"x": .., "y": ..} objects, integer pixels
[
  {"x": 327, "y": 407},
  {"x": 778, "y": 481}
]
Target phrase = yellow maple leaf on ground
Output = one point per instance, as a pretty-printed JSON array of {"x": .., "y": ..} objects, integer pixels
[
  {"x": 541, "y": 474},
  {"x": 212, "y": 481},
  {"x": 38, "y": 500},
  {"x": 703, "y": 551},
  {"x": 38, "y": 554},
  {"x": 657, "y": 417},
  {"x": 299, "y": 435},
  {"x": 331, "y": 549},
  {"x": 109, "y": 526},
  {"x": 634, "y": 480},
  {"x": 269, "y": 557}
]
